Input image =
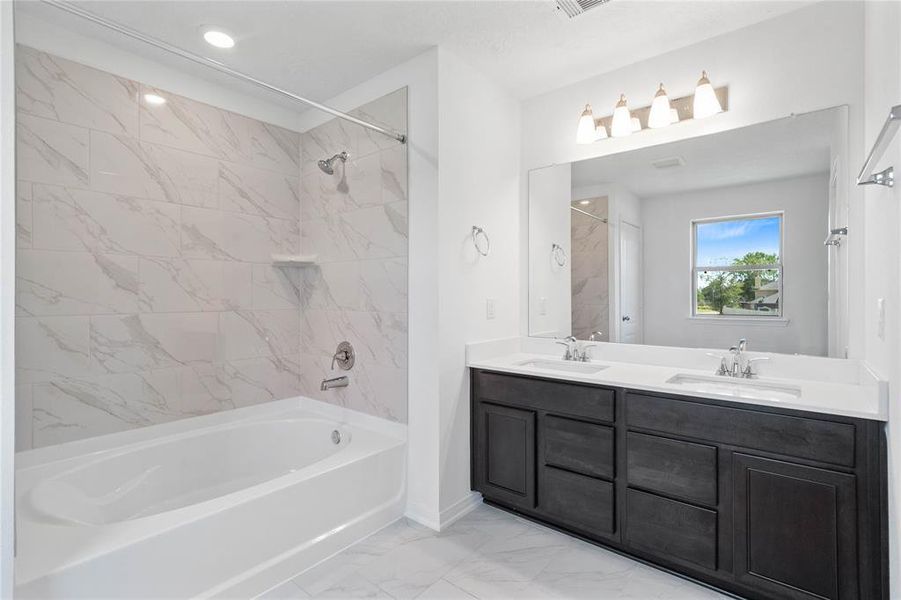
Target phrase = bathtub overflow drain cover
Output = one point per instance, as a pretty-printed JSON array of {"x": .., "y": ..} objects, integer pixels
[{"x": 336, "y": 436}]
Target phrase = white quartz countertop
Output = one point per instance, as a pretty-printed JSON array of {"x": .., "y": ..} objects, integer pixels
[{"x": 866, "y": 400}]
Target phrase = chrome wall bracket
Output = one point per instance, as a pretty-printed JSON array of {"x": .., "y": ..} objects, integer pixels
[
  {"x": 883, "y": 141},
  {"x": 832, "y": 239},
  {"x": 885, "y": 177}
]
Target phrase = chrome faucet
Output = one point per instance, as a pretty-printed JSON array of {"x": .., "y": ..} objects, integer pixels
[
  {"x": 576, "y": 350},
  {"x": 582, "y": 353},
  {"x": 737, "y": 366},
  {"x": 748, "y": 372},
  {"x": 571, "y": 349},
  {"x": 334, "y": 382}
]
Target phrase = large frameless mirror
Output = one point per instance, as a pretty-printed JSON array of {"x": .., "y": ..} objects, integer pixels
[{"x": 700, "y": 242}]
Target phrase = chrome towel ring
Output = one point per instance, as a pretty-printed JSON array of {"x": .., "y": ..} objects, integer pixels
[
  {"x": 559, "y": 254},
  {"x": 478, "y": 234}
]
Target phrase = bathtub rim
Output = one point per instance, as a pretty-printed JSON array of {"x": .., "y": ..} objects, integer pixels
[{"x": 120, "y": 440}]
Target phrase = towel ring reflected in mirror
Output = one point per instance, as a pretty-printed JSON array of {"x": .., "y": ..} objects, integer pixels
[
  {"x": 559, "y": 254},
  {"x": 480, "y": 240}
]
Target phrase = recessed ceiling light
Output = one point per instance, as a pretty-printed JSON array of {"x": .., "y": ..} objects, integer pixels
[
  {"x": 154, "y": 99},
  {"x": 220, "y": 39}
]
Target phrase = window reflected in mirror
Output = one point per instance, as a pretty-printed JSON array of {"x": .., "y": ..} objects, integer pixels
[{"x": 738, "y": 266}]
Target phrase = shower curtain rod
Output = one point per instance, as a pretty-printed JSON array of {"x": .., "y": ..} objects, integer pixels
[
  {"x": 137, "y": 35},
  {"x": 588, "y": 214}
]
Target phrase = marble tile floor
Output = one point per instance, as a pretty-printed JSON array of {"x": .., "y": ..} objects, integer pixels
[{"x": 489, "y": 554}]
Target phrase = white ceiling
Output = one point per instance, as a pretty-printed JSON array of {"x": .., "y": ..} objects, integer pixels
[
  {"x": 784, "y": 148},
  {"x": 319, "y": 49}
]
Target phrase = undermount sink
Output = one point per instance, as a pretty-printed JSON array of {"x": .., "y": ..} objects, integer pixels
[
  {"x": 562, "y": 365},
  {"x": 739, "y": 388}
]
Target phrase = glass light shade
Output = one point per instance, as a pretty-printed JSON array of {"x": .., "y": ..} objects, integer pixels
[
  {"x": 600, "y": 133},
  {"x": 219, "y": 39},
  {"x": 154, "y": 99},
  {"x": 636, "y": 124},
  {"x": 705, "y": 100},
  {"x": 621, "y": 124},
  {"x": 674, "y": 115},
  {"x": 660, "y": 115},
  {"x": 585, "y": 133}
]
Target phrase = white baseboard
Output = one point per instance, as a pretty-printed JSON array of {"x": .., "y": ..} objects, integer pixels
[
  {"x": 423, "y": 517},
  {"x": 446, "y": 517},
  {"x": 459, "y": 509}
]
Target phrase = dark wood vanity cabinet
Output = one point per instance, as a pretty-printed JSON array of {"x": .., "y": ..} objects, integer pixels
[
  {"x": 795, "y": 528},
  {"x": 761, "y": 502},
  {"x": 506, "y": 445}
]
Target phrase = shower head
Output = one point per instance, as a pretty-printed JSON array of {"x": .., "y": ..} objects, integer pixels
[{"x": 328, "y": 164}]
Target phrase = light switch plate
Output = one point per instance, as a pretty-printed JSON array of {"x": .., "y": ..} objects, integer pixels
[{"x": 489, "y": 308}]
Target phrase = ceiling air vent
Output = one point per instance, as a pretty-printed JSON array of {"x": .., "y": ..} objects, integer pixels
[
  {"x": 574, "y": 8},
  {"x": 668, "y": 163}
]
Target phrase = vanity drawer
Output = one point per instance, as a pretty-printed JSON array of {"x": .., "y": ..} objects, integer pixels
[
  {"x": 670, "y": 529},
  {"x": 559, "y": 398},
  {"x": 813, "y": 439},
  {"x": 578, "y": 446},
  {"x": 578, "y": 501},
  {"x": 680, "y": 469}
]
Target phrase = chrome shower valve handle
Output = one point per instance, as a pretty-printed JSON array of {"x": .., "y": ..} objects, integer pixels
[{"x": 344, "y": 356}]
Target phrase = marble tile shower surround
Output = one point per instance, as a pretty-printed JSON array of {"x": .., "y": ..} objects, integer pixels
[
  {"x": 355, "y": 221},
  {"x": 144, "y": 288},
  {"x": 590, "y": 288}
]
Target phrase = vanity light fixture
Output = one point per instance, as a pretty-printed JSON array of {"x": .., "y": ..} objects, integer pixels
[
  {"x": 706, "y": 103},
  {"x": 154, "y": 99},
  {"x": 586, "y": 132},
  {"x": 621, "y": 125},
  {"x": 661, "y": 112},
  {"x": 218, "y": 38}
]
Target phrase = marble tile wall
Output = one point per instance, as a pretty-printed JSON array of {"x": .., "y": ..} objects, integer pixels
[
  {"x": 356, "y": 222},
  {"x": 144, "y": 287},
  {"x": 144, "y": 291},
  {"x": 590, "y": 286}
]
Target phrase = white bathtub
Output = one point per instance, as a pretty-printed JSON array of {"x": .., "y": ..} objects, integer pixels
[{"x": 225, "y": 505}]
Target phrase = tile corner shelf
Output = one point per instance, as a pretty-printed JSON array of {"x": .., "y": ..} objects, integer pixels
[{"x": 294, "y": 260}]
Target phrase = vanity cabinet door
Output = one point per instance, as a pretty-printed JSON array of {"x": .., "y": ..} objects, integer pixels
[
  {"x": 795, "y": 529},
  {"x": 505, "y": 451}
]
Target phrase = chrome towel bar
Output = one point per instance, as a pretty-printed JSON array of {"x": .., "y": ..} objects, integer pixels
[{"x": 885, "y": 177}]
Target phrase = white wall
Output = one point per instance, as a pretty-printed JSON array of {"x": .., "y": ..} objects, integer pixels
[
  {"x": 773, "y": 69},
  {"x": 882, "y": 66},
  {"x": 667, "y": 256},
  {"x": 7, "y": 295},
  {"x": 479, "y": 185},
  {"x": 550, "y": 285}
]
